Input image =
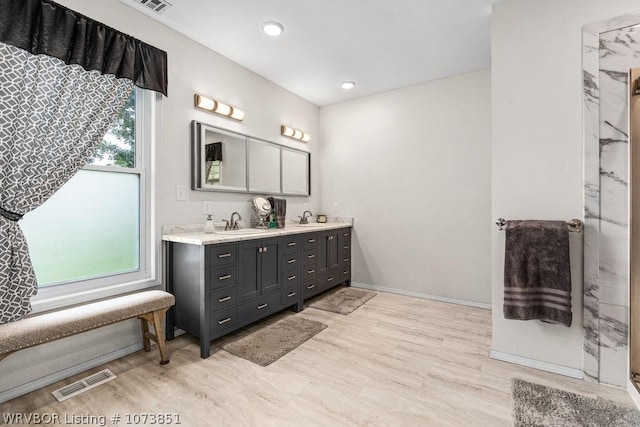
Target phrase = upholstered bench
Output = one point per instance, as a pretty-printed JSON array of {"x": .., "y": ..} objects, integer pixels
[{"x": 149, "y": 307}]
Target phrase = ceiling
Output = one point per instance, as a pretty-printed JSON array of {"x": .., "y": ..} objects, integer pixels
[{"x": 379, "y": 44}]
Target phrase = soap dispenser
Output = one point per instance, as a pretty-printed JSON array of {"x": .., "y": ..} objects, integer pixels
[{"x": 208, "y": 226}]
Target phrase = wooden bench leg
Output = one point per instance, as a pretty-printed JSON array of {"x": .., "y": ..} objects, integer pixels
[{"x": 155, "y": 318}]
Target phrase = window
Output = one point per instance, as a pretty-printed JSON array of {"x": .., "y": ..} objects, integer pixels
[{"x": 94, "y": 233}]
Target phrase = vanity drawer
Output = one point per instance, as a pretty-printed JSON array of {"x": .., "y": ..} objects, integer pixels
[
  {"x": 345, "y": 235},
  {"x": 309, "y": 273},
  {"x": 345, "y": 273},
  {"x": 223, "y": 276},
  {"x": 310, "y": 241},
  {"x": 309, "y": 289},
  {"x": 291, "y": 278},
  {"x": 310, "y": 257},
  {"x": 221, "y": 254},
  {"x": 221, "y": 321},
  {"x": 259, "y": 307},
  {"x": 222, "y": 299},
  {"x": 289, "y": 262},
  {"x": 327, "y": 281},
  {"x": 290, "y": 243},
  {"x": 289, "y": 296}
]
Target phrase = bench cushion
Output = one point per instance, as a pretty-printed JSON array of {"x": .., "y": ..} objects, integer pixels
[{"x": 51, "y": 326}]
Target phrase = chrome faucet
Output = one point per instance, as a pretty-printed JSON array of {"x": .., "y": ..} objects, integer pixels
[
  {"x": 303, "y": 218},
  {"x": 233, "y": 224}
]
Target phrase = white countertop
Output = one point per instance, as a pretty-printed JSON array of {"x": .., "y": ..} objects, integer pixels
[{"x": 195, "y": 235}]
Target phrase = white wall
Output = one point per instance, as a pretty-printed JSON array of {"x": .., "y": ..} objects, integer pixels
[
  {"x": 413, "y": 167},
  {"x": 537, "y": 152},
  {"x": 192, "y": 69}
]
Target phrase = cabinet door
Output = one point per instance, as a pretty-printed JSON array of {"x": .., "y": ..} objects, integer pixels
[
  {"x": 323, "y": 252},
  {"x": 269, "y": 263},
  {"x": 249, "y": 269},
  {"x": 333, "y": 253}
]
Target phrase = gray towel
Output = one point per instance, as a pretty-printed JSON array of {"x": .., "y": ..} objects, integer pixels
[
  {"x": 537, "y": 274},
  {"x": 280, "y": 206}
]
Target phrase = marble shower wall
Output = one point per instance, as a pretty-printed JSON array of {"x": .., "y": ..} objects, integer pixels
[{"x": 609, "y": 51}]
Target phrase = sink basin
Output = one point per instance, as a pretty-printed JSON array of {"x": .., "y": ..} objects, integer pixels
[
  {"x": 312, "y": 224},
  {"x": 242, "y": 231}
]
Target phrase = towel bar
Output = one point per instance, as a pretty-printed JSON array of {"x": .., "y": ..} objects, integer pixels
[{"x": 575, "y": 225}]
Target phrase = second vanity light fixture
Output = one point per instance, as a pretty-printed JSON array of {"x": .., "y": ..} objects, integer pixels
[
  {"x": 218, "y": 107},
  {"x": 294, "y": 133}
]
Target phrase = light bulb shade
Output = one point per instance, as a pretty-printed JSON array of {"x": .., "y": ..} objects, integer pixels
[
  {"x": 297, "y": 134},
  {"x": 222, "y": 109},
  {"x": 237, "y": 114},
  {"x": 348, "y": 85},
  {"x": 306, "y": 137},
  {"x": 286, "y": 131},
  {"x": 205, "y": 103}
]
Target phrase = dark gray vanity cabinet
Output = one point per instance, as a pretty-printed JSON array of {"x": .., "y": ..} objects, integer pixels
[{"x": 222, "y": 287}]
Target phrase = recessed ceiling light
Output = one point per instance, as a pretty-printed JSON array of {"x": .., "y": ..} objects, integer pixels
[
  {"x": 348, "y": 85},
  {"x": 272, "y": 28}
]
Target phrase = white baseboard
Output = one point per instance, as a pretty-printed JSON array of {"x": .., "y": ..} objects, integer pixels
[
  {"x": 66, "y": 373},
  {"x": 633, "y": 392},
  {"x": 482, "y": 305},
  {"x": 536, "y": 364}
]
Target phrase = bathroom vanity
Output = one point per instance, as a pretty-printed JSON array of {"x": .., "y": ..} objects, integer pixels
[{"x": 223, "y": 282}]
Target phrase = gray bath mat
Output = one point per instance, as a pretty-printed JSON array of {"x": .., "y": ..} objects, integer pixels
[
  {"x": 538, "y": 405},
  {"x": 265, "y": 343},
  {"x": 342, "y": 300}
]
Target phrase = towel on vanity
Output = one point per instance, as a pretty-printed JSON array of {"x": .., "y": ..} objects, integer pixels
[
  {"x": 280, "y": 206},
  {"x": 537, "y": 274}
]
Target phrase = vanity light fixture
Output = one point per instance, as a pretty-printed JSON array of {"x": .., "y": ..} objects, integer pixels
[
  {"x": 272, "y": 28},
  {"x": 294, "y": 133},
  {"x": 218, "y": 107},
  {"x": 348, "y": 85}
]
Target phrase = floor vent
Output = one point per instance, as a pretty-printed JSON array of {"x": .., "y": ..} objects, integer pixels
[
  {"x": 158, "y": 6},
  {"x": 83, "y": 385}
]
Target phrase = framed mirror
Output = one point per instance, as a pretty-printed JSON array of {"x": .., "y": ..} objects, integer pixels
[{"x": 223, "y": 160}]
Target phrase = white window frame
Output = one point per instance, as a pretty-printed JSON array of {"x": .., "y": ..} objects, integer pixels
[{"x": 148, "y": 105}]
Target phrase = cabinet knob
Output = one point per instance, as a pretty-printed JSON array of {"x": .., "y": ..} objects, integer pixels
[
  {"x": 345, "y": 272},
  {"x": 311, "y": 240},
  {"x": 227, "y": 255},
  {"x": 264, "y": 249},
  {"x": 291, "y": 261},
  {"x": 261, "y": 306},
  {"x": 292, "y": 244},
  {"x": 225, "y": 277},
  {"x": 223, "y": 321},
  {"x": 221, "y": 300},
  {"x": 345, "y": 259},
  {"x": 311, "y": 256},
  {"x": 292, "y": 294},
  {"x": 291, "y": 278},
  {"x": 329, "y": 279},
  {"x": 311, "y": 286},
  {"x": 311, "y": 271},
  {"x": 345, "y": 247}
]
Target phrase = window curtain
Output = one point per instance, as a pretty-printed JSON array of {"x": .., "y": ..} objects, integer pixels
[{"x": 63, "y": 80}]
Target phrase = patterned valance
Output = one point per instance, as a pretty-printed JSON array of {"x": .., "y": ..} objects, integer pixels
[{"x": 45, "y": 27}]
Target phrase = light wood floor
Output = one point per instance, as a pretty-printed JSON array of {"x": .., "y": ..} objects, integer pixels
[{"x": 395, "y": 361}]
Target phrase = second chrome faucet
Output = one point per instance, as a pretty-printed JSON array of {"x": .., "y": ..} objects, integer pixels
[{"x": 232, "y": 224}]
